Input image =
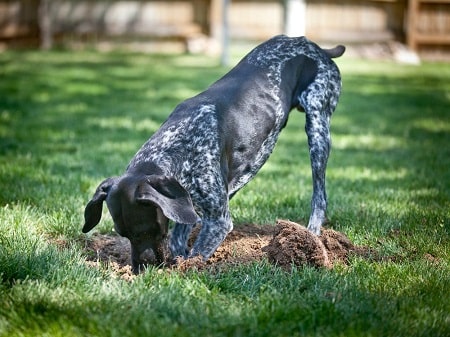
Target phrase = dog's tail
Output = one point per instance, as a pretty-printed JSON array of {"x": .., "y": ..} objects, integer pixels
[{"x": 335, "y": 52}]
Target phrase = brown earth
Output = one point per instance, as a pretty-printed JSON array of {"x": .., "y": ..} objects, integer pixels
[
  {"x": 285, "y": 244},
  {"x": 294, "y": 244}
]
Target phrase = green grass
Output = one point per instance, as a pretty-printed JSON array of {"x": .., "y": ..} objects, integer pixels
[{"x": 68, "y": 120}]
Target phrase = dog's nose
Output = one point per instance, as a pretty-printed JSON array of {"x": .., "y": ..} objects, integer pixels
[{"x": 147, "y": 256}]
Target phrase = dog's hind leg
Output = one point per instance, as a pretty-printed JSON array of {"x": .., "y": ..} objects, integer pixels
[
  {"x": 317, "y": 129},
  {"x": 319, "y": 102}
]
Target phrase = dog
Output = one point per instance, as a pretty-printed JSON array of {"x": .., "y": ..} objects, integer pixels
[{"x": 213, "y": 144}]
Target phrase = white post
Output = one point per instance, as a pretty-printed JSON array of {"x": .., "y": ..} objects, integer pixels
[
  {"x": 219, "y": 27},
  {"x": 225, "y": 57},
  {"x": 294, "y": 17}
]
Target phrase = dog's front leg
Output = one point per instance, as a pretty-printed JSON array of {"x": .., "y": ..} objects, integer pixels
[
  {"x": 212, "y": 234},
  {"x": 178, "y": 240}
]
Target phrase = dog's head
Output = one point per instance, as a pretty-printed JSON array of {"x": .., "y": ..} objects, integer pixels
[{"x": 141, "y": 207}]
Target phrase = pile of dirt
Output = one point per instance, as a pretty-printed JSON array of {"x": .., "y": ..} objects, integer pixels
[
  {"x": 294, "y": 244},
  {"x": 285, "y": 244}
]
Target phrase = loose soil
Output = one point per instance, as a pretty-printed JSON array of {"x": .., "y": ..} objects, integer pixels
[
  {"x": 294, "y": 244},
  {"x": 285, "y": 244}
]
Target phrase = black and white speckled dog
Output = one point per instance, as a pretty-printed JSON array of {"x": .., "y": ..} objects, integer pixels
[{"x": 214, "y": 143}]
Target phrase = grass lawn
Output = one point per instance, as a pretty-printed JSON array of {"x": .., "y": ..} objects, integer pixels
[{"x": 70, "y": 119}]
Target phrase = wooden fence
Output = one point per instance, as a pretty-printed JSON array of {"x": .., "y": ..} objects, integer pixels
[{"x": 420, "y": 23}]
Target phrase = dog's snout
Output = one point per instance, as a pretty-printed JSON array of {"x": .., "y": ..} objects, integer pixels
[
  {"x": 142, "y": 260},
  {"x": 147, "y": 256}
]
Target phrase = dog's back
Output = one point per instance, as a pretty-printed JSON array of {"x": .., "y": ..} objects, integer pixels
[{"x": 232, "y": 127}]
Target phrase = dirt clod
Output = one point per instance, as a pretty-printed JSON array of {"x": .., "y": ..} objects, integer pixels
[
  {"x": 294, "y": 244},
  {"x": 194, "y": 263}
]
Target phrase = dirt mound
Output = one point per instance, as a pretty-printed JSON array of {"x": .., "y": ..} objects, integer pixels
[
  {"x": 285, "y": 244},
  {"x": 294, "y": 244}
]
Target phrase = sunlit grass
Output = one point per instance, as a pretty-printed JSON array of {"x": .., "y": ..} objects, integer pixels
[{"x": 69, "y": 120}]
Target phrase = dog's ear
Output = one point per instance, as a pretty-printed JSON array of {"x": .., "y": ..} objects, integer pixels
[
  {"x": 170, "y": 196},
  {"x": 93, "y": 210}
]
